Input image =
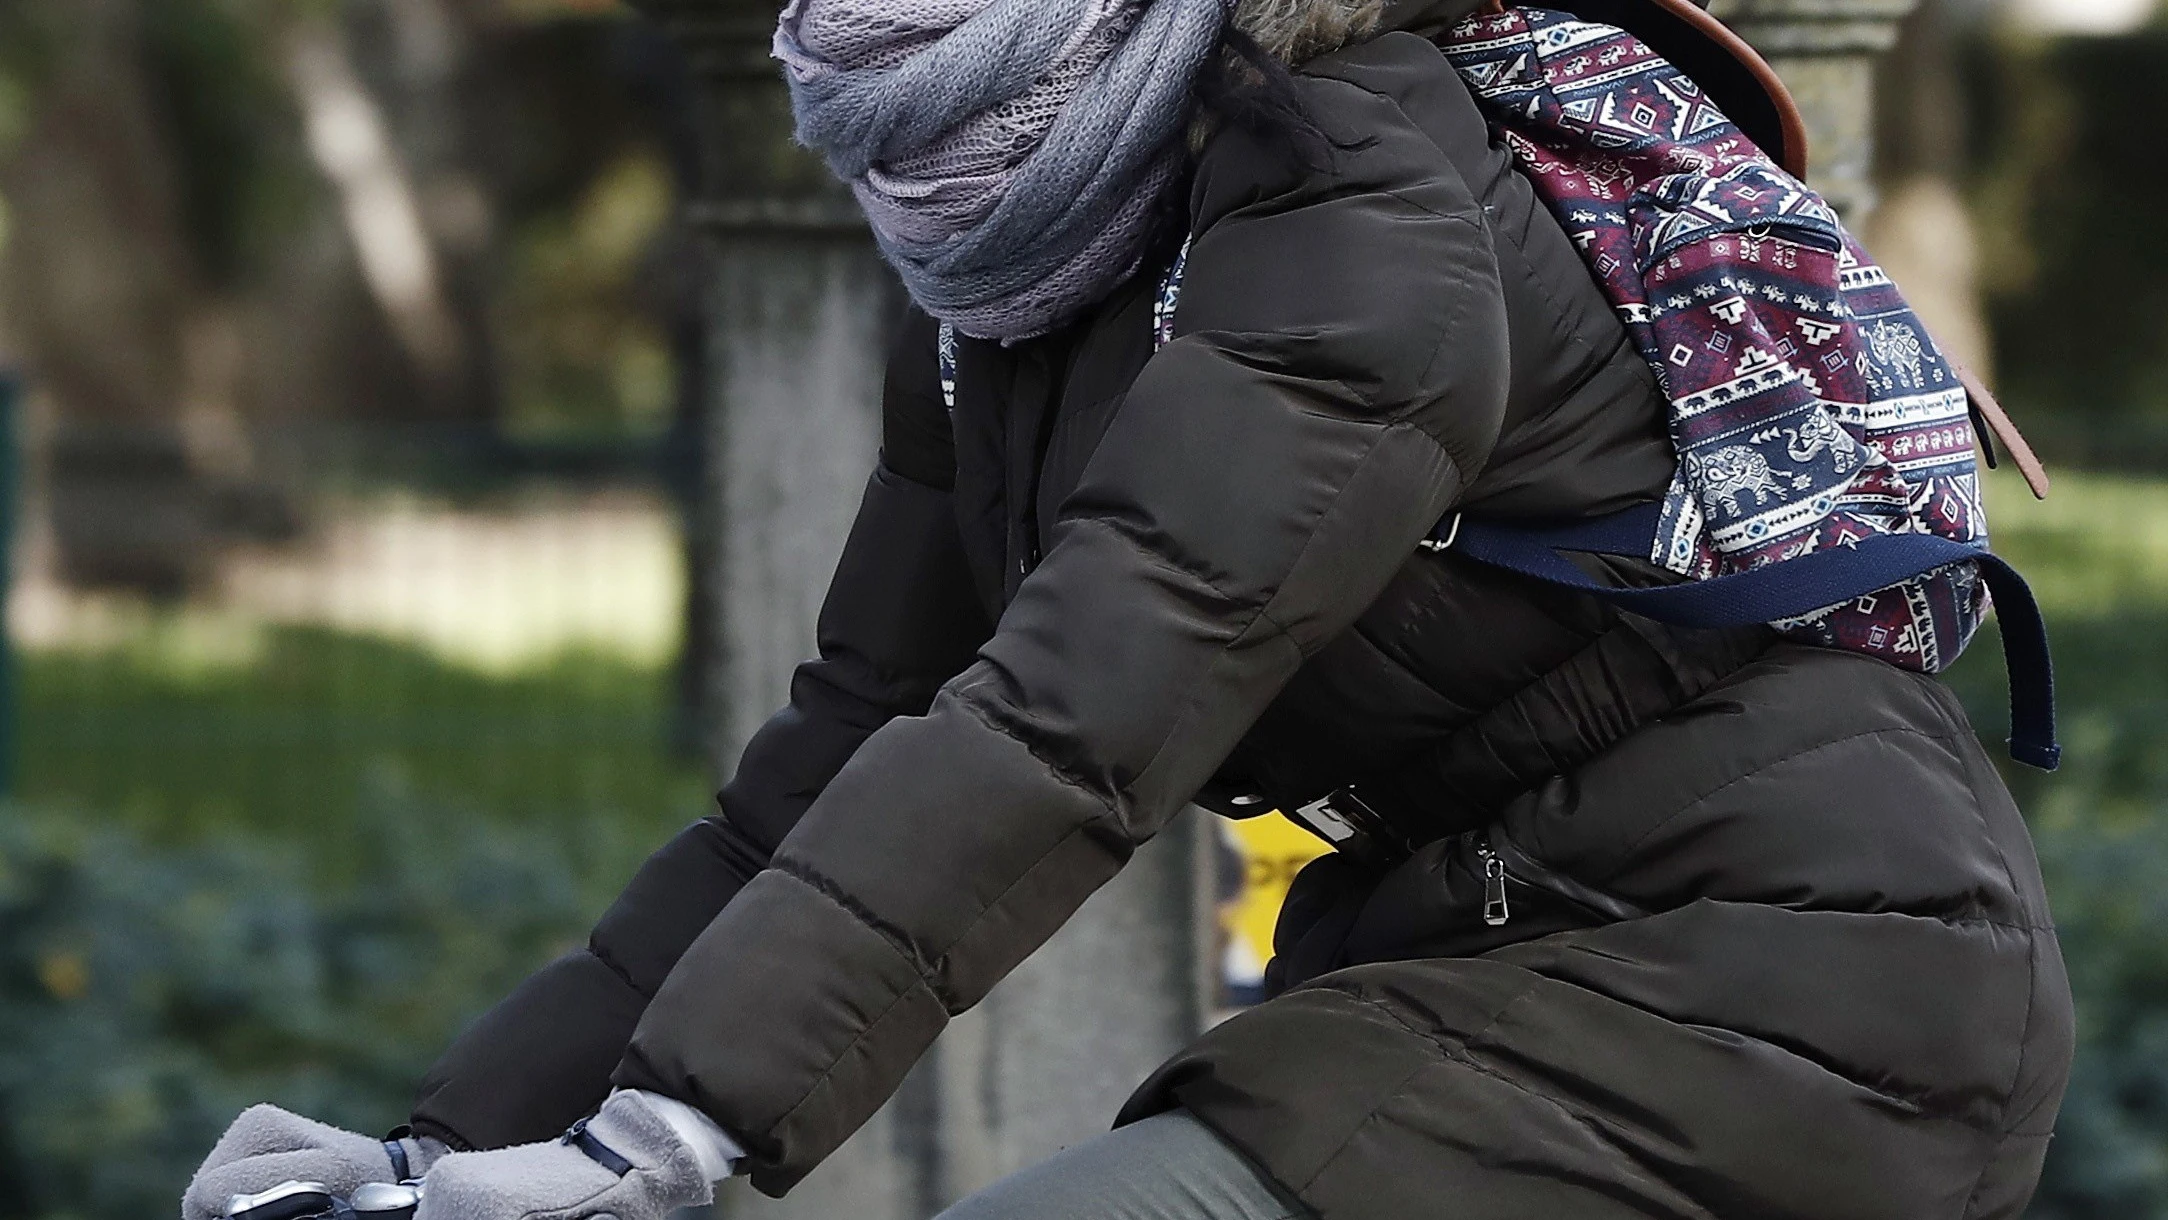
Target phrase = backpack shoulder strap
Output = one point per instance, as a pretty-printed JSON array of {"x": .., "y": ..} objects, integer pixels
[{"x": 1773, "y": 592}]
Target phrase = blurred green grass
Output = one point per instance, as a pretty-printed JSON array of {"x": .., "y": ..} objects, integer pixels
[
  {"x": 305, "y": 735},
  {"x": 2096, "y": 555},
  {"x": 2098, "y": 545}
]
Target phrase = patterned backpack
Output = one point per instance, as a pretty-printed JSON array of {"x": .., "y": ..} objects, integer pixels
[{"x": 1826, "y": 481}]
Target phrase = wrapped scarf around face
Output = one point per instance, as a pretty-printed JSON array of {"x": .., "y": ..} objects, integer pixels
[{"x": 1009, "y": 153}]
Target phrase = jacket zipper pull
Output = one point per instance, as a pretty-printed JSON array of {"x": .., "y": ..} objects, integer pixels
[{"x": 1495, "y": 911}]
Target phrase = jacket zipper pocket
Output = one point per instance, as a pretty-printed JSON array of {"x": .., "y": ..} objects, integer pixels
[
  {"x": 1495, "y": 910},
  {"x": 1504, "y": 860}
]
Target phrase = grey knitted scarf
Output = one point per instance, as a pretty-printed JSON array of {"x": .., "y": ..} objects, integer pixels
[{"x": 1008, "y": 153}]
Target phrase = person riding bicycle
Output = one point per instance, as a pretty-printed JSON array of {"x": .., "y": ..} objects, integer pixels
[{"x": 1774, "y": 944}]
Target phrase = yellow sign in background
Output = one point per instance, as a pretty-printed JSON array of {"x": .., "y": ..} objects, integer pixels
[{"x": 1268, "y": 851}]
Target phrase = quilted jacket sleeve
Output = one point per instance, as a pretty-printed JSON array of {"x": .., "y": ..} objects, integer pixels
[
  {"x": 1340, "y": 375},
  {"x": 901, "y": 618}
]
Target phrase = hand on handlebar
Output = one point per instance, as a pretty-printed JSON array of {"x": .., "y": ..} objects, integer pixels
[
  {"x": 311, "y": 1201},
  {"x": 266, "y": 1148},
  {"x": 626, "y": 1162}
]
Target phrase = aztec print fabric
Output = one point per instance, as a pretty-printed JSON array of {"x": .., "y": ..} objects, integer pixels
[{"x": 1809, "y": 407}]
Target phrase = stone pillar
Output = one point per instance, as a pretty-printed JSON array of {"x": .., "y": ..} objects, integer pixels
[
  {"x": 799, "y": 309},
  {"x": 1826, "y": 51}
]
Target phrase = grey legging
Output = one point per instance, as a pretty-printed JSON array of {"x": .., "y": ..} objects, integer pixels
[{"x": 1168, "y": 1167}]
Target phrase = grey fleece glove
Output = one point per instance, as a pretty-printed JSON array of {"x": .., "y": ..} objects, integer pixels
[
  {"x": 656, "y": 1174},
  {"x": 267, "y": 1147}
]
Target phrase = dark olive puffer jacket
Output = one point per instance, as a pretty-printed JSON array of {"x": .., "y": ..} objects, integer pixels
[{"x": 1778, "y": 944}]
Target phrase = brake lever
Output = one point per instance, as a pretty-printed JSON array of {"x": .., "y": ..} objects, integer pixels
[
  {"x": 314, "y": 1201},
  {"x": 291, "y": 1201},
  {"x": 386, "y": 1201}
]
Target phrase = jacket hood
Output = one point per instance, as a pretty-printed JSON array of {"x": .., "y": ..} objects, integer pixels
[{"x": 1296, "y": 31}]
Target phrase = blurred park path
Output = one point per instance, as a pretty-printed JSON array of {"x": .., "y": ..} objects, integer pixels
[{"x": 498, "y": 588}]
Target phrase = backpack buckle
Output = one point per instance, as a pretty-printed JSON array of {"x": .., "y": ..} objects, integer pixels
[
  {"x": 1354, "y": 829},
  {"x": 1450, "y": 527}
]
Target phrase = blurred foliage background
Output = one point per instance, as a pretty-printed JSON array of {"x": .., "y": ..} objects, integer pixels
[
  {"x": 349, "y": 602},
  {"x": 348, "y": 579}
]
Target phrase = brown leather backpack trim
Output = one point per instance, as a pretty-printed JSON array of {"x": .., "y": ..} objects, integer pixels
[{"x": 1985, "y": 410}]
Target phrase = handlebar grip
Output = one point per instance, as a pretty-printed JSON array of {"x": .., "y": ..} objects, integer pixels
[{"x": 291, "y": 1201}]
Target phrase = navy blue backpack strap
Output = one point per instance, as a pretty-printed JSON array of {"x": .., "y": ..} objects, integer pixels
[{"x": 1790, "y": 589}]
